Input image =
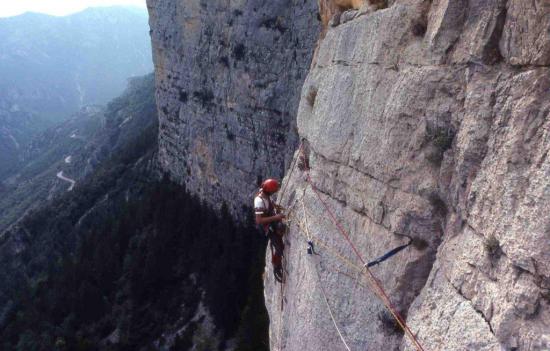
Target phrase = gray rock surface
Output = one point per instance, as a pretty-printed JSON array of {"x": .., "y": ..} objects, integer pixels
[
  {"x": 429, "y": 119},
  {"x": 228, "y": 78}
]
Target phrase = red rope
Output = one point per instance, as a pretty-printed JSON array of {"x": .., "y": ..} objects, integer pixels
[{"x": 356, "y": 251}]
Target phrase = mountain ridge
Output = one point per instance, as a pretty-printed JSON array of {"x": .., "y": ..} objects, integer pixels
[
  {"x": 137, "y": 9},
  {"x": 51, "y": 67}
]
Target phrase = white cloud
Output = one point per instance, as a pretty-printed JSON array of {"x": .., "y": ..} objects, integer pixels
[{"x": 57, "y": 7}]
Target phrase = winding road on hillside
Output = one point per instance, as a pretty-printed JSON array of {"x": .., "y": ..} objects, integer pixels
[{"x": 62, "y": 177}]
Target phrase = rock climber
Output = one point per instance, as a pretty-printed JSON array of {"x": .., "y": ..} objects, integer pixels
[{"x": 268, "y": 216}]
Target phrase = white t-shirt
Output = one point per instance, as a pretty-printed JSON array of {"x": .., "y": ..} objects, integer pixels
[{"x": 261, "y": 205}]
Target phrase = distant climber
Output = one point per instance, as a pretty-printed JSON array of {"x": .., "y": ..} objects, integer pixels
[{"x": 268, "y": 216}]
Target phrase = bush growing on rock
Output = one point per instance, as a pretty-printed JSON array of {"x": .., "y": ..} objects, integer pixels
[
  {"x": 239, "y": 51},
  {"x": 492, "y": 247},
  {"x": 388, "y": 322},
  {"x": 418, "y": 29},
  {"x": 438, "y": 205},
  {"x": 311, "y": 96},
  {"x": 441, "y": 140}
]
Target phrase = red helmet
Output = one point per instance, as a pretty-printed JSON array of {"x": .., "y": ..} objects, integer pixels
[{"x": 270, "y": 186}]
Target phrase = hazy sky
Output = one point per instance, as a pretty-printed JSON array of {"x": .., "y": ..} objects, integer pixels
[{"x": 57, "y": 7}]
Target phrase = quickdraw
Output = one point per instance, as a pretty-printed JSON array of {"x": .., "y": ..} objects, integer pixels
[{"x": 375, "y": 284}]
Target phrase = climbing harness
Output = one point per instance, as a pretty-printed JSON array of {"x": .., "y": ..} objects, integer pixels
[{"x": 365, "y": 269}]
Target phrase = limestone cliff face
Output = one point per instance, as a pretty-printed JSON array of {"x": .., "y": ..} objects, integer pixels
[
  {"x": 228, "y": 79},
  {"x": 429, "y": 119}
]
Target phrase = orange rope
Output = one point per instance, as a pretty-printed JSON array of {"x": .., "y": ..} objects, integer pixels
[
  {"x": 379, "y": 290},
  {"x": 350, "y": 264},
  {"x": 382, "y": 292}
]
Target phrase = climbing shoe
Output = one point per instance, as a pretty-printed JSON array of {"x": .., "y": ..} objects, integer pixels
[{"x": 278, "y": 273}]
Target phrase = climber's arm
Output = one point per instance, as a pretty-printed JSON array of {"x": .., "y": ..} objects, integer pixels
[{"x": 266, "y": 220}]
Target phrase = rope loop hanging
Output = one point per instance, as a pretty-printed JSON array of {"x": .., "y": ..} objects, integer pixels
[
  {"x": 375, "y": 284},
  {"x": 325, "y": 298}
]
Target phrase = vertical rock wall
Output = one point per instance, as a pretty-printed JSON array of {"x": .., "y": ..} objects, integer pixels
[
  {"x": 425, "y": 118},
  {"x": 229, "y": 74},
  {"x": 429, "y": 119}
]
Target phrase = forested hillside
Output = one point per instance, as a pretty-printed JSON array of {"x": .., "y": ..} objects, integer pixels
[
  {"x": 130, "y": 261},
  {"x": 75, "y": 148}
]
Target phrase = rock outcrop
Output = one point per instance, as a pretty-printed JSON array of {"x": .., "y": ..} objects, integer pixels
[
  {"x": 331, "y": 10},
  {"x": 428, "y": 119},
  {"x": 228, "y": 81}
]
